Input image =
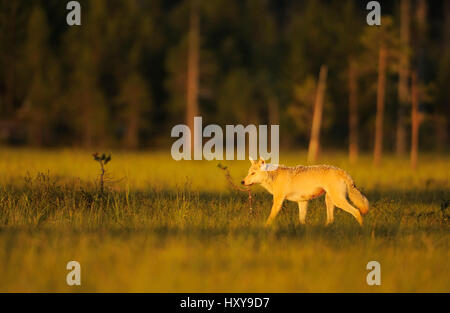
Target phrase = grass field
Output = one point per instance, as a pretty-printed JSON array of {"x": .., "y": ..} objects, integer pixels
[{"x": 167, "y": 226}]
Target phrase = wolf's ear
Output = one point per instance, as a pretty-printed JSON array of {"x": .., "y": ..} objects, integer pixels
[
  {"x": 262, "y": 161},
  {"x": 251, "y": 160}
]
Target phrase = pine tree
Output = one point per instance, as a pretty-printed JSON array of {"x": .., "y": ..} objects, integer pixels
[
  {"x": 403, "y": 90},
  {"x": 40, "y": 74},
  {"x": 381, "y": 44},
  {"x": 85, "y": 49}
]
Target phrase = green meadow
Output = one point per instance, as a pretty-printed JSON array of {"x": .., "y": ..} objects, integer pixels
[{"x": 167, "y": 226}]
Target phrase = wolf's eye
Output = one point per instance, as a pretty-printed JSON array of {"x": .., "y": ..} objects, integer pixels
[{"x": 252, "y": 174}]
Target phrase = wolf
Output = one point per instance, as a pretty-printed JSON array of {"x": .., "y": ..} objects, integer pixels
[{"x": 303, "y": 183}]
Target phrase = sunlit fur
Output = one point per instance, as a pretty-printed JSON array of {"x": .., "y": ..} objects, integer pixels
[{"x": 303, "y": 183}]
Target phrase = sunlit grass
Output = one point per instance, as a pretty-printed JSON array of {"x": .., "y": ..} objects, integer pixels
[{"x": 175, "y": 226}]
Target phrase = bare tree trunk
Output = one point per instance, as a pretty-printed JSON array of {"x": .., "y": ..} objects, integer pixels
[
  {"x": 421, "y": 14},
  {"x": 353, "y": 147},
  {"x": 378, "y": 149},
  {"x": 274, "y": 111},
  {"x": 403, "y": 93},
  {"x": 446, "y": 25},
  {"x": 87, "y": 119},
  {"x": 192, "y": 70},
  {"x": 132, "y": 133},
  {"x": 414, "y": 122},
  {"x": 10, "y": 57},
  {"x": 441, "y": 117},
  {"x": 441, "y": 131},
  {"x": 314, "y": 141}
]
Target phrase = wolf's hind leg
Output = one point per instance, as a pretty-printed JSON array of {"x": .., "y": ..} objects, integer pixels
[
  {"x": 330, "y": 209},
  {"x": 302, "y": 209},
  {"x": 340, "y": 201},
  {"x": 276, "y": 207}
]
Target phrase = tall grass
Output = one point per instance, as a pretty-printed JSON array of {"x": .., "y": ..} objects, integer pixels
[{"x": 168, "y": 226}]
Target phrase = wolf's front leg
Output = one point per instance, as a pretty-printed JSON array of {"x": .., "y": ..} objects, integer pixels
[
  {"x": 330, "y": 209},
  {"x": 302, "y": 209},
  {"x": 276, "y": 207}
]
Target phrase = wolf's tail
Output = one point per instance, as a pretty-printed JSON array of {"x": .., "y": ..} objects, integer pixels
[{"x": 358, "y": 199}]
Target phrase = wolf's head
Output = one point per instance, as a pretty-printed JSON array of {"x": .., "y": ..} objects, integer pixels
[{"x": 256, "y": 173}]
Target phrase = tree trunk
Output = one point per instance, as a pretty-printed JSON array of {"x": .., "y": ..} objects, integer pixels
[
  {"x": 446, "y": 25},
  {"x": 421, "y": 14},
  {"x": 441, "y": 117},
  {"x": 10, "y": 56},
  {"x": 274, "y": 111},
  {"x": 87, "y": 119},
  {"x": 403, "y": 93},
  {"x": 414, "y": 122},
  {"x": 313, "y": 150},
  {"x": 440, "y": 124},
  {"x": 132, "y": 132},
  {"x": 192, "y": 70},
  {"x": 378, "y": 149},
  {"x": 353, "y": 147}
]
